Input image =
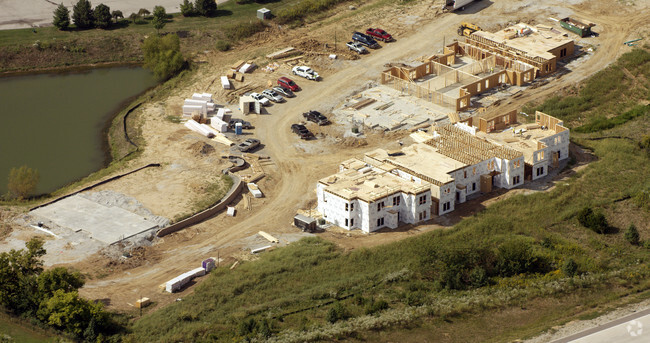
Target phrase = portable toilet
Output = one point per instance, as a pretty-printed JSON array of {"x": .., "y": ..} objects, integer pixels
[
  {"x": 264, "y": 13},
  {"x": 238, "y": 129}
]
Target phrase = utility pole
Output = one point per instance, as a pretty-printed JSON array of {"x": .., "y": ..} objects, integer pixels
[{"x": 335, "y": 41}]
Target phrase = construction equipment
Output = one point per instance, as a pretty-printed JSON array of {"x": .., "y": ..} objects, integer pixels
[{"x": 466, "y": 29}]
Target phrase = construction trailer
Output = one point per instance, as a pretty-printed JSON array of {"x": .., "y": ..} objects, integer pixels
[
  {"x": 307, "y": 224},
  {"x": 249, "y": 105}
]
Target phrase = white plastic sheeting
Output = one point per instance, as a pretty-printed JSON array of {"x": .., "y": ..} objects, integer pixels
[
  {"x": 190, "y": 109},
  {"x": 254, "y": 190},
  {"x": 247, "y": 67},
  {"x": 219, "y": 125},
  {"x": 225, "y": 83},
  {"x": 178, "y": 282},
  {"x": 199, "y": 128},
  {"x": 202, "y": 96}
]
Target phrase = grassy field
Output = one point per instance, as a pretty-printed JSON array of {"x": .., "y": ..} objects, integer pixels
[
  {"x": 26, "y": 49},
  {"x": 312, "y": 290}
]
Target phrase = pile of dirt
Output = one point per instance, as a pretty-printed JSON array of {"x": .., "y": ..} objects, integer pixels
[
  {"x": 353, "y": 142},
  {"x": 201, "y": 149},
  {"x": 6, "y": 218}
]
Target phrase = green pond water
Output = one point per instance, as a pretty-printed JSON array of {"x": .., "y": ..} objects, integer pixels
[{"x": 57, "y": 123}]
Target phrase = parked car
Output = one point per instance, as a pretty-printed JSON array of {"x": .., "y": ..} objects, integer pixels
[
  {"x": 288, "y": 83},
  {"x": 305, "y": 72},
  {"x": 244, "y": 124},
  {"x": 316, "y": 117},
  {"x": 379, "y": 34},
  {"x": 261, "y": 98},
  {"x": 356, "y": 46},
  {"x": 284, "y": 91},
  {"x": 301, "y": 131},
  {"x": 272, "y": 95},
  {"x": 248, "y": 145},
  {"x": 365, "y": 40}
]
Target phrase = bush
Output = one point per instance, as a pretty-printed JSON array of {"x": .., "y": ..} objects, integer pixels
[
  {"x": 22, "y": 181},
  {"x": 594, "y": 221},
  {"x": 336, "y": 313},
  {"x": 240, "y": 31},
  {"x": 162, "y": 55},
  {"x": 206, "y": 8},
  {"x": 632, "y": 235},
  {"x": 570, "y": 267},
  {"x": 223, "y": 45},
  {"x": 516, "y": 257},
  {"x": 376, "y": 306},
  {"x": 187, "y": 9}
]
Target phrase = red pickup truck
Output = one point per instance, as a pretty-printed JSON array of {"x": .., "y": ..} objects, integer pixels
[{"x": 379, "y": 34}]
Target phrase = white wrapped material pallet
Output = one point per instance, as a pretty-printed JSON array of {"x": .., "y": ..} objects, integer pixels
[
  {"x": 202, "y": 96},
  {"x": 211, "y": 106},
  {"x": 246, "y": 68},
  {"x": 197, "y": 272},
  {"x": 189, "y": 109},
  {"x": 196, "y": 127},
  {"x": 254, "y": 189},
  {"x": 197, "y": 96},
  {"x": 178, "y": 282},
  {"x": 225, "y": 83},
  {"x": 255, "y": 251},
  {"x": 219, "y": 125},
  {"x": 220, "y": 113}
]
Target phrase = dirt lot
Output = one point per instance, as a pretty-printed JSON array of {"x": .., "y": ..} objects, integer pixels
[{"x": 297, "y": 165}]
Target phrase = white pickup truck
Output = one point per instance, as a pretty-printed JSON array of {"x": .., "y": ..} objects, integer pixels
[
  {"x": 305, "y": 72},
  {"x": 356, "y": 46}
]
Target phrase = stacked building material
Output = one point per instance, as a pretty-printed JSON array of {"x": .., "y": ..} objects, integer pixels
[
  {"x": 208, "y": 264},
  {"x": 178, "y": 282},
  {"x": 225, "y": 83},
  {"x": 219, "y": 125},
  {"x": 254, "y": 189},
  {"x": 199, "y": 128}
]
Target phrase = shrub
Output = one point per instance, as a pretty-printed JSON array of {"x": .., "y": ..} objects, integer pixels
[
  {"x": 159, "y": 18},
  {"x": 22, "y": 181},
  {"x": 594, "y": 221},
  {"x": 632, "y": 235},
  {"x": 516, "y": 256},
  {"x": 570, "y": 267},
  {"x": 223, "y": 45},
  {"x": 376, "y": 306},
  {"x": 187, "y": 9},
  {"x": 336, "y": 313},
  {"x": 206, "y": 8},
  {"x": 162, "y": 55},
  {"x": 240, "y": 31}
]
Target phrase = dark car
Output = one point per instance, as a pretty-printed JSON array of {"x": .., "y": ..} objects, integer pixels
[
  {"x": 248, "y": 145},
  {"x": 288, "y": 83},
  {"x": 316, "y": 117},
  {"x": 244, "y": 124},
  {"x": 301, "y": 131},
  {"x": 365, "y": 40}
]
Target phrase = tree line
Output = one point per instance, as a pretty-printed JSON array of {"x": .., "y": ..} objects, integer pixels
[
  {"x": 85, "y": 17},
  {"x": 50, "y": 296}
]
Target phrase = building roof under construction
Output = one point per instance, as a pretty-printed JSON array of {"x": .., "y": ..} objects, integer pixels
[
  {"x": 467, "y": 148},
  {"x": 537, "y": 43},
  {"x": 369, "y": 184},
  {"x": 421, "y": 160}
]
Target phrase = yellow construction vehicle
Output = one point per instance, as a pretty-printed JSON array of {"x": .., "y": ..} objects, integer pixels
[{"x": 467, "y": 29}]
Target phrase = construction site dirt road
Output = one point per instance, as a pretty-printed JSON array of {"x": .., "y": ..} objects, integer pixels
[{"x": 290, "y": 184}]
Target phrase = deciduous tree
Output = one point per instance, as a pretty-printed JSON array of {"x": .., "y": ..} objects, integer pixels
[
  {"x": 187, "y": 9},
  {"x": 117, "y": 14},
  {"x": 162, "y": 55},
  {"x": 159, "y": 18}
]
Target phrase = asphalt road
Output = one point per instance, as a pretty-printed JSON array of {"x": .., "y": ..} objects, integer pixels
[
  {"x": 17, "y": 14},
  {"x": 634, "y": 328}
]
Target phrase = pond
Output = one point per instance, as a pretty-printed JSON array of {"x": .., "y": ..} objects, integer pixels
[{"x": 56, "y": 123}]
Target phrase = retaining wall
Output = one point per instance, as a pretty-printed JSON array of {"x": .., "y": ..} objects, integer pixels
[{"x": 237, "y": 186}]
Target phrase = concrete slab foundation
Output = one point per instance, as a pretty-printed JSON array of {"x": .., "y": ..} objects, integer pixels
[{"x": 107, "y": 224}]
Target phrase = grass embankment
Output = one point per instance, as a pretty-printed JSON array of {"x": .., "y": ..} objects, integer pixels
[
  {"x": 47, "y": 47},
  {"x": 312, "y": 290}
]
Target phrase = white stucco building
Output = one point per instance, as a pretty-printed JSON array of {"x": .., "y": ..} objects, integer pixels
[{"x": 430, "y": 178}]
